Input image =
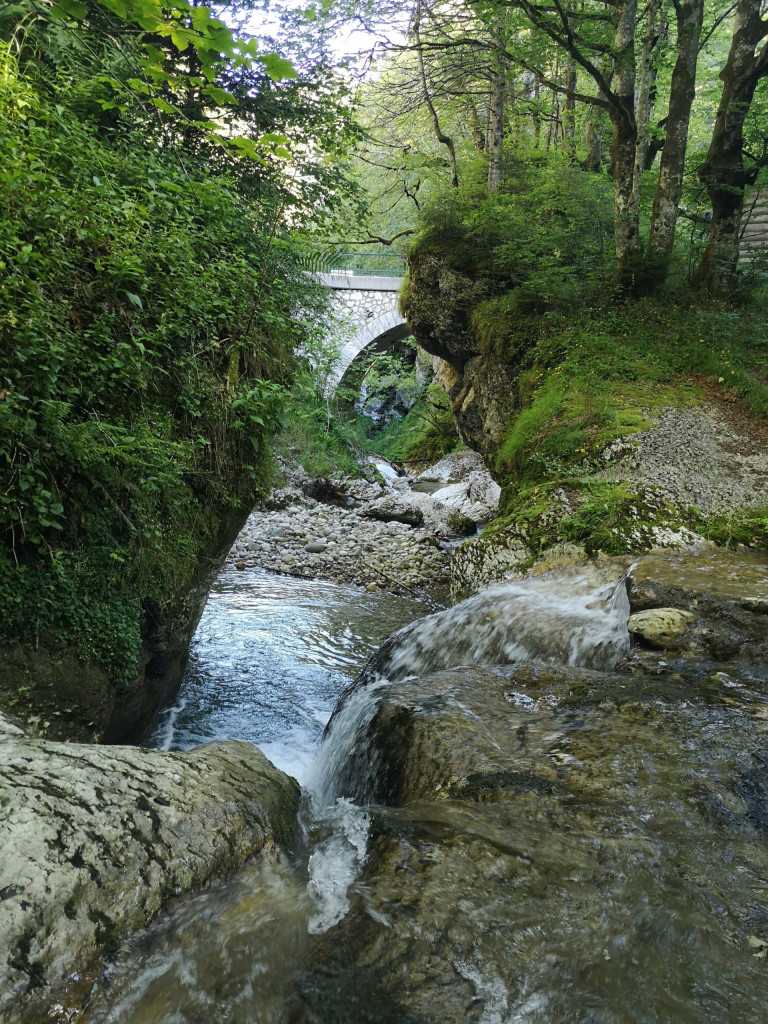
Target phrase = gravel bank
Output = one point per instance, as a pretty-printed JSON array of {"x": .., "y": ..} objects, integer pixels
[
  {"x": 702, "y": 456},
  {"x": 357, "y": 545},
  {"x": 326, "y": 542}
]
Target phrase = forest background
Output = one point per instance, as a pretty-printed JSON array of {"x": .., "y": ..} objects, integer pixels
[{"x": 167, "y": 179}]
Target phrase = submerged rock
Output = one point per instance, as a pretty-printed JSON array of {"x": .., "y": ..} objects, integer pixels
[{"x": 95, "y": 840}]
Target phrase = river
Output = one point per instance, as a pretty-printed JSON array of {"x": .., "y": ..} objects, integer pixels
[{"x": 607, "y": 862}]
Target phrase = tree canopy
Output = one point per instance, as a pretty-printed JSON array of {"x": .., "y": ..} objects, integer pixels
[{"x": 664, "y": 98}]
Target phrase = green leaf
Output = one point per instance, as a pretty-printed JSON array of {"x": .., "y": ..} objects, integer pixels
[
  {"x": 180, "y": 40},
  {"x": 277, "y": 67},
  {"x": 219, "y": 95},
  {"x": 74, "y": 8},
  {"x": 161, "y": 104},
  {"x": 273, "y": 138},
  {"x": 135, "y": 299}
]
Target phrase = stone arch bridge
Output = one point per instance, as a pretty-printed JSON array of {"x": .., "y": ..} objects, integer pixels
[{"x": 365, "y": 296}]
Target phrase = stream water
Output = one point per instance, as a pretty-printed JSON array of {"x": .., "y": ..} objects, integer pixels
[{"x": 610, "y": 866}]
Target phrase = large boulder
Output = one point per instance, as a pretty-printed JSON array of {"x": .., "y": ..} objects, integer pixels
[
  {"x": 94, "y": 840},
  {"x": 550, "y": 840}
]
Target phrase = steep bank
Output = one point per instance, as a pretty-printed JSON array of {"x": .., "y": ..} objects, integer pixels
[
  {"x": 611, "y": 426},
  {"x": 142, "y": 369}
]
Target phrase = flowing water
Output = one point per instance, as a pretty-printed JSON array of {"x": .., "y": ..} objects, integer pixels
[
  {"x": 567, "y": 845},
  {"x": 270, "y": 657}
]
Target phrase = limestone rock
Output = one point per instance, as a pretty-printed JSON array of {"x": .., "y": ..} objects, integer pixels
[
  {"x": 315, "y": 547},
  {"x": 389, "y": 511},
  {"x": 93, "y": 841},
  {"x": 661, "y": 627},
  {"x": 514, "y": 806}
]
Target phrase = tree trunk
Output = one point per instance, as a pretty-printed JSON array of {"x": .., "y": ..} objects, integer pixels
[
  {"x": 496, "y": 130},
  {"x": 690, "y": 15},
  {"x": 569, "y": 114},
  {"x": 536, "y": 113},
  {"x": 478, "y": 134},
  {"x": 554, "y": 121},
  {"x": 596, "y": 129},
  {"x": 724, "y": 173},
  {"x": 643, "y": 105},
  {"x": 440, "y": 135},
  {"x": 626, "y": 223}
]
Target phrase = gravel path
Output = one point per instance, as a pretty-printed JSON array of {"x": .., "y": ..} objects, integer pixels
[{"x": 700, "y": 456}]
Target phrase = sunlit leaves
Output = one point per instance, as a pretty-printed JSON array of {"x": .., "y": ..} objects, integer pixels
[{"x": 194, "y": 31}]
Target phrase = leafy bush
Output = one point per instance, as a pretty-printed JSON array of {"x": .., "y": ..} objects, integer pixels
[
  {"x": 146, "y": 329},
  {"x": 546, "y": 230}
]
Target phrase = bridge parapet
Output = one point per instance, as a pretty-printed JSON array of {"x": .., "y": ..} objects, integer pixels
[
  {"x": 359, "y": 264},
  {"x": 341, "y": 280}
]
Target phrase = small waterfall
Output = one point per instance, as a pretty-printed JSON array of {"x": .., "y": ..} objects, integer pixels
[
  {"x": 567, "y": 619},
  {"x": 337, "y": 829},
  {"x": 564, "y": 619}
]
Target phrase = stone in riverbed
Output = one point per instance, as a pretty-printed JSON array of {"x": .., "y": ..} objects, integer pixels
[
  {"x": 395, "y": 512},
  {"x": 661, "y": 627},
  {"x": 315, "y": 547},
  {"x": 95, "y": 839}
]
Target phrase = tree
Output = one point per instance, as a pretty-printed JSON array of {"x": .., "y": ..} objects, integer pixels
[{"x": 724, "y": 172}]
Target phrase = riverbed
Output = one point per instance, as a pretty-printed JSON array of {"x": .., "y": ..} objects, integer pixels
[
  {"x": 269, "y": 660},
  {"x": 567, "y": 844}
]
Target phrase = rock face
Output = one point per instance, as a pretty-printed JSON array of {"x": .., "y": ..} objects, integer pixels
[
  {"x": 64, "y": 697},
  {"x": 668, "y": 485},
  {"x": 529, "y": 832},
  {"x": 94, "y": 840}
]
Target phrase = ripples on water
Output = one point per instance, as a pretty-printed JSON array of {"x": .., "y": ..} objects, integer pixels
[
  {"x": 633, "y": 890},
  {"x": 270, "y": 657}
]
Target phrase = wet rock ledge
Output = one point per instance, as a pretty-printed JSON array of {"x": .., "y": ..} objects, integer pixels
[{"x": 95, "y": 839}]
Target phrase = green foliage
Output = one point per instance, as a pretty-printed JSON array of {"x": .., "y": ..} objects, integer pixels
[
  {"x": 547, "y": 230},
  {"x": 318, "y": 435},
  {"x": 426, "y": 434},
  {"x": 147, "y": 321}
]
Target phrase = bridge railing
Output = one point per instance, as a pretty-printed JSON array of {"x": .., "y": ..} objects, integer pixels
[{"x": 358, "y": 264}]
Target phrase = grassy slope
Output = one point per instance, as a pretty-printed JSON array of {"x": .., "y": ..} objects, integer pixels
[{"x": 585, "y": 380}]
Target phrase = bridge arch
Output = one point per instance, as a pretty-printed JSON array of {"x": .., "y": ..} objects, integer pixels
[
  {"x": 367, "y": 302},
  {"x": 379, "y": 332}
]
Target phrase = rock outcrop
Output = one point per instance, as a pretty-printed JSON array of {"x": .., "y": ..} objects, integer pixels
[
  {"x": 534, "y": 823},
  {"x": 63, "y": 696},
  {"x": 94, "y": 840},
  {"x": 580, "y": 465}
]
